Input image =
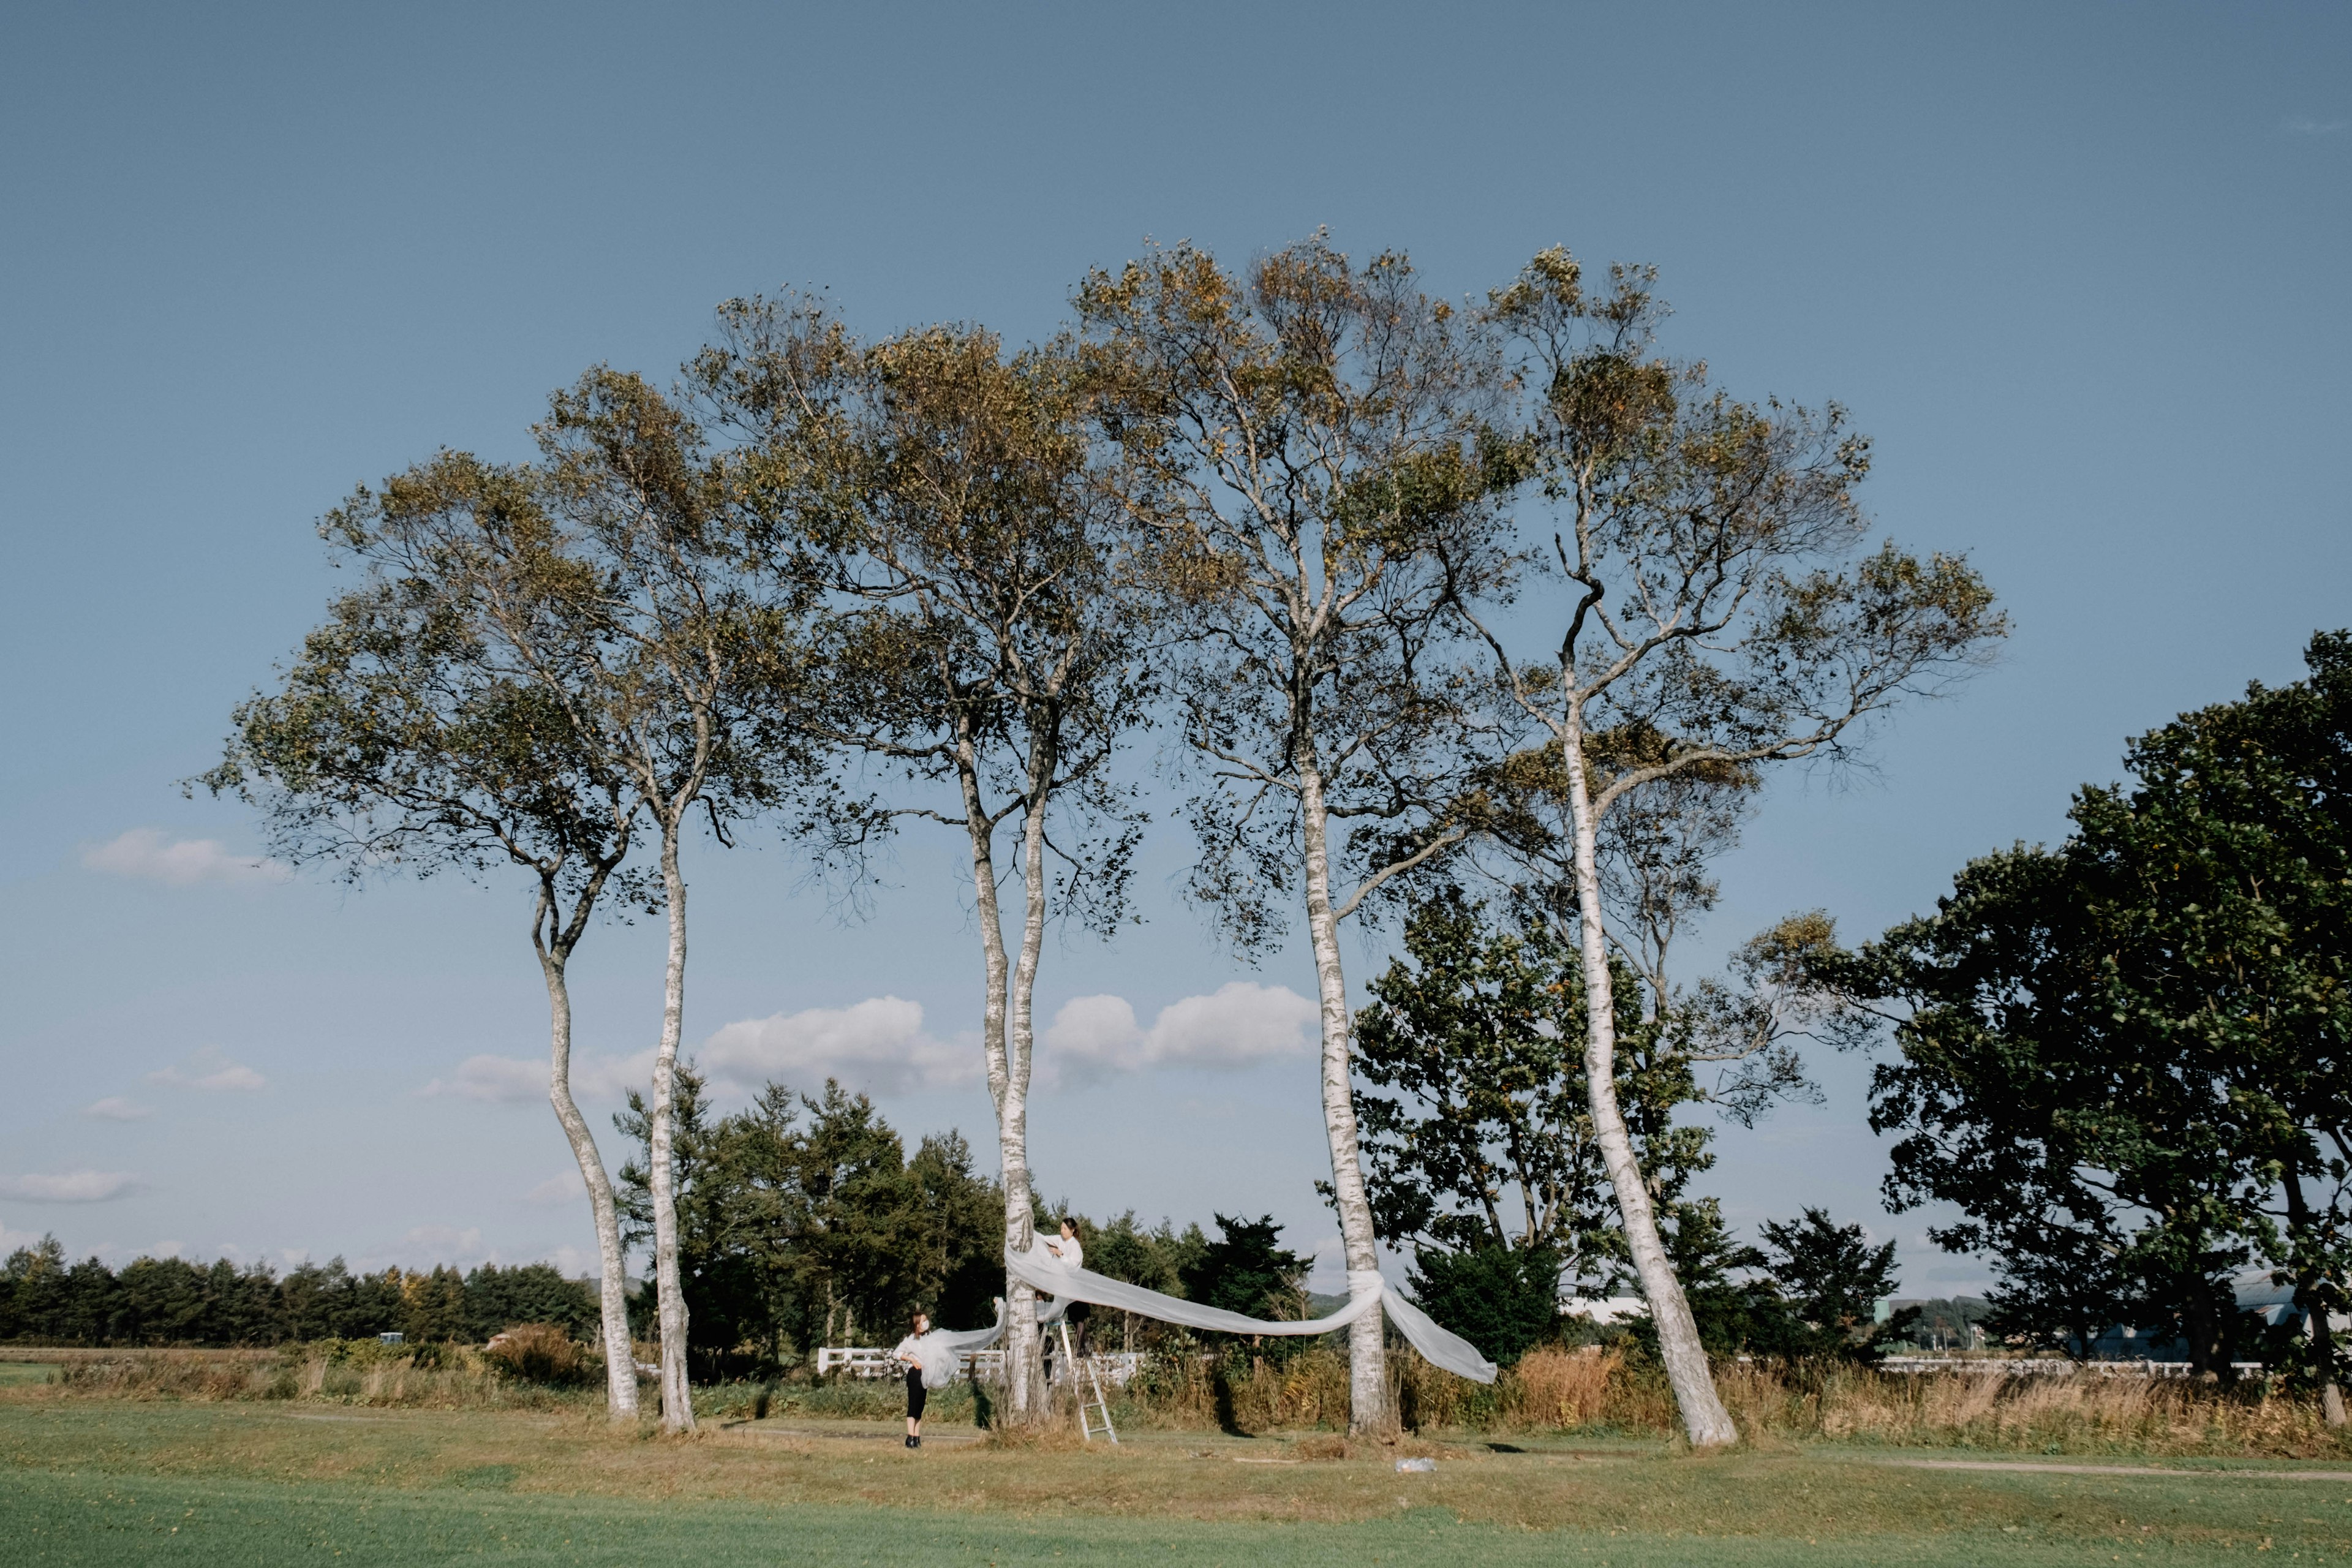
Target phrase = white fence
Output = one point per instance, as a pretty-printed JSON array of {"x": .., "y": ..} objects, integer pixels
[
  {"x": 1114, "y": 1367},
  {"x": 2049, "y": 1366}
]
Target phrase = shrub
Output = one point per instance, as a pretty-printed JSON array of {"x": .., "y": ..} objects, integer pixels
[
  {"x": 538, "y": 1352},
  {"x": 1501, "y": 1299}
]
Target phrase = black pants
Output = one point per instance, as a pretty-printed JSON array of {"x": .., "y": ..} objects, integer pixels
[{"x": 915, "y": 1394}]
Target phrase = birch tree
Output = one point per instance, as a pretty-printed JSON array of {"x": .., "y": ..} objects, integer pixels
[
  {"x": 953, "y": 505},
  {"x": 414, "y": 732},
  {"x": 1718, "y": 605},
  {"x": 699, "y": 685},
  {"x": 1304, "y": 436}
]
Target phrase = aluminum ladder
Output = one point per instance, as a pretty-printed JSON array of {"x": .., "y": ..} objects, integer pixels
[{"x": 1090, "y": 1411}]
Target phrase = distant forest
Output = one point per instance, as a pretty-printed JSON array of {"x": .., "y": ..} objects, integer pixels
[{"x": 168, "y": 1302}]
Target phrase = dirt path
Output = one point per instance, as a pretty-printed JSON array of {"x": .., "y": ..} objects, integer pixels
[{"x": 2035, "y": 1466}]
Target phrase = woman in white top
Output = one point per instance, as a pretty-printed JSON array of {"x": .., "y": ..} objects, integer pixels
[
  {"x": 1070, "y": 1250},
  {"x": 911, "y": 1353}
]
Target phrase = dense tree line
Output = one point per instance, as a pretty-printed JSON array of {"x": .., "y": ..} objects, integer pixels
[{"x": 45, "y": 1299}]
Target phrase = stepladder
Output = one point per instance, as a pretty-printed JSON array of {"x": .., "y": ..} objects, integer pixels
[{"x": 1094, "y": 1410}]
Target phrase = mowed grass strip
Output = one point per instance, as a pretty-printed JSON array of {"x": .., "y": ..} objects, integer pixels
[
  {"x": 91, "y": 1481},
  {"x": 87, "y": 1521}
]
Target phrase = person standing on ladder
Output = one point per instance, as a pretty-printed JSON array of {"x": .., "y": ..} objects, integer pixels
[
  {"x": 1069, "y": 1249},
  {"x": 910, "y": 1354}
]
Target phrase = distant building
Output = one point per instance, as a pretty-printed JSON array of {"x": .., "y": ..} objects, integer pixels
[
  {"x": 2275, "y": 1304},
  {"x": 2256, "y": 1293},
  {"x": 393, "y": 1338},
  {"x": 1605, "y": 1310}
]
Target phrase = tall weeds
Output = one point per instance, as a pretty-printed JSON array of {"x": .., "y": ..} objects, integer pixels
[
  {"x": 346, "y": 1371},
  {"x": 1594, "y": 1391},
  {"x": 1602, "y": 1391}
]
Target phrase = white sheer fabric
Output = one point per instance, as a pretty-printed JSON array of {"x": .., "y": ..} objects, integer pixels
[
  {"x": 940, "y": 1352},
  {"x": 1367, "y": 1291}
]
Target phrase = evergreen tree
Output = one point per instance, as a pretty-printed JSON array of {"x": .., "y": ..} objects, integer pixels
[{"x": 1243, "y": 1271}]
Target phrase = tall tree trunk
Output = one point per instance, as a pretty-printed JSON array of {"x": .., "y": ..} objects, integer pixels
[
  {"x": 1704, "y": 1420},
  {"x": 1009, "y": 1091},
  {"x": 1368, "y": 1389},
  {"x": 620, "y": 1357},
  {"x": 2314, "y": 1302},
  {"x": 1021, "y": 1037},
  {"x": 677, "y": 1399}
]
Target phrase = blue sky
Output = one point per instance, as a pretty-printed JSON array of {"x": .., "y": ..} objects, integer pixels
[{"x": 2080, "y": 270}]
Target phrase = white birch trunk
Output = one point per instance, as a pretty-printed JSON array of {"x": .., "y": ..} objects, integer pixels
[
  {"x": 1704, "y": 1420},
  {"x": 1008, "y": 1090},
  {"x": 1020, "y": 1052},
  {"x": 1368, "y": 1402},
  {"x": 620, "y": 1358},
  {"x": 676, "y": 1397}
]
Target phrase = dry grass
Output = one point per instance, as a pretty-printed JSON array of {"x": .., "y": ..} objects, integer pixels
[
  {"x": 541, "y": 1353},
  {"x": 1562, "y": 1388},
  {"x": 343, "y": 1371},
  {"x": 1593, "y": 1392},
  {"x": 2044, "y": 1414},
  {"x": 1604, "y": 1392}
]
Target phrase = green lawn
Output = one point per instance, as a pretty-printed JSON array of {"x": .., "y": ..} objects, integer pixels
[
  {"x": 16, "y": 1371},
  {"x": 88, "y": 1482}
]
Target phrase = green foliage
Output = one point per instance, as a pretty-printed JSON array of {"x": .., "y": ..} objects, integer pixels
[
  {"x": 803, "y": 1222},
  {"x": 1807, "y": 1294},
  {"x": 169, "y": 1302},
  {"x": 497, "y": 1299},
  {"x": 1829, "y": 1274},
  {"x": 1244, "y": 1271},
  {"x": 1503, "y": 1300},
  {"x": 1158, "y": 1259},
  {"x": 1734, "y": 1309},
  {"x": 1320, "y": 439},
  {"x": 2123, "y": 1059},
  {"x": 1485, "y": 1138}
]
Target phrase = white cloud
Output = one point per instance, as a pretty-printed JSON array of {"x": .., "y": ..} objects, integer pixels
[
  {"x": 1239, "y": 1025},
  {"x": 211, "y": 1070},
  {"x": 114, "y": 1108},
  {"x": 565, "y": 1188},
  {"x": 1091, "y": 1038},
  {"x": 577, "y": 1262},
  {"x": 522, "y": 1080},
  {"x": 608, "y": 1078},
  {"x": 502, "y": 1080},
  {"x": 878, "y": 1045},
  {"x": 447, "y": 1244},
  {"x": 68, "y": 1187},
  {"x": 144, "y": 853},
  {"x": 2305, "y": 125}
]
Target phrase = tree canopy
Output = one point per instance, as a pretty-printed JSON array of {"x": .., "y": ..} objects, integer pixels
[{"x": 2124, "y": 1058}]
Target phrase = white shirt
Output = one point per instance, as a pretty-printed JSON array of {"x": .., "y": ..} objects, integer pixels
[{"x": 1067, "y": 1250}]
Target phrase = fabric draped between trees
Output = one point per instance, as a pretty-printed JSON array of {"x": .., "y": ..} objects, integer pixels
[
  {"x": 942, "y": 1349},
  {"x": 1366, "y": 1292}
]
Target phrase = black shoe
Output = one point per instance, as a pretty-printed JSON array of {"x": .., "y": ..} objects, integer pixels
[{"x": 914, "y": 1442}]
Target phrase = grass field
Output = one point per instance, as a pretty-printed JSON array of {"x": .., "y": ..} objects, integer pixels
[{"x": 91, "y": 1481}]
